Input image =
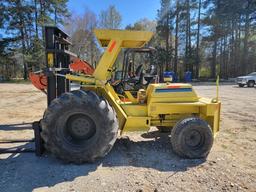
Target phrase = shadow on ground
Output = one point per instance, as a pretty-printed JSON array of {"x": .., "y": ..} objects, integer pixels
[
  {"x": 25, "y": 171},
  {"x": 15, "y": 127}
]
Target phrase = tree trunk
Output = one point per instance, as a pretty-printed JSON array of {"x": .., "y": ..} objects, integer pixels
[
  {"x": 36, "y": 19},
  {"x": 239, "y": 46},
  {"x": 92, "y": 52},
  {"x": 167, "y": 42},
  {"x": 42, "y": 15},
  {"x": 232, "y": 49},
  {"x": 186, "y": 42},
  {"x": 214, "y": 59},
  {"x": 26, "y": 36},
  {"x": 176, "y": 37},
  {"x": 25, "y": 66},
  {"x": 189, "y": 67},
  {"x": 23, "y": 36},
  {"x": 189, "y": 41},
  {"x": 237, "y": 64},
  {"x": 198, "y": 39},
  {"x": 221, "y": 58},
  {"x": 225, "y": 57},
  {"x": 246, "y": 36}
]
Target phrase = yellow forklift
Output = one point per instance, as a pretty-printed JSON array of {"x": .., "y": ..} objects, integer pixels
[{"x": 82, "y": 125}]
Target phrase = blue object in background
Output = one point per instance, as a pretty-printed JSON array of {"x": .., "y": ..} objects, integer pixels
[
  {"x": 170, "y": 74},
  {"x": 188, "y": 76}
]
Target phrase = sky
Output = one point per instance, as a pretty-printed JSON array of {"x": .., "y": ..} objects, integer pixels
[{"x": 131, "y": 10}]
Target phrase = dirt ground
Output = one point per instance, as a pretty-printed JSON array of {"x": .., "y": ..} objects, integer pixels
[{"x": 139, "y": 162}]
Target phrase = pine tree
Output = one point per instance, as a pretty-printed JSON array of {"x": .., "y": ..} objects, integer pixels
[
  {"x": 22, "y": 20},
  {"x": 164, "y": 29},
  {"x": 60, "y": 10},
  {"x": 19, "y": 22},
  {"x": 230, "y": 26}
]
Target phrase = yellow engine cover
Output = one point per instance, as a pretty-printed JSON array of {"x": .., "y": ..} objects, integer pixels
[{"x": 170, "y": 93}]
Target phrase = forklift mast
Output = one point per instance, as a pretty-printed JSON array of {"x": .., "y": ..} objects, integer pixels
[{"x": 57, "y": 62}]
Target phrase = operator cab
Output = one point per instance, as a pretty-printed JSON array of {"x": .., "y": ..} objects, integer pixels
[{"x": 138, "y": 70}]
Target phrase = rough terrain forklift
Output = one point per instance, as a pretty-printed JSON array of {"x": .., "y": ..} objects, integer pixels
[{"x": 82, "y": 125}]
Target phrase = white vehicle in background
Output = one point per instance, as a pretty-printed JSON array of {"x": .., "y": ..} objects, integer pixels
[{"x": 249, "y": 80}]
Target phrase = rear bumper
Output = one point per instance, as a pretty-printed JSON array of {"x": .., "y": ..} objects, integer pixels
[{"x": 211, "y": 113}]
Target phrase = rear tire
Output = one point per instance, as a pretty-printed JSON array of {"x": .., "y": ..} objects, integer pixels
[
  {"x": 250, "y": 84},
  {"x": 192, "y": 138},
  {"x": 79, "y": 127}
]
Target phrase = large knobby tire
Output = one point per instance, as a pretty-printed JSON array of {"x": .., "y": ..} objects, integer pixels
[
  {"x": 192, "y": 138},
  {"x": 241, "y": 85},
  {"x": 79, "y": 126}
]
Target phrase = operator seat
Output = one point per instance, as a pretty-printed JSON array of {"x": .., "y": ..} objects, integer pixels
[{"x": 138, "y": 76}]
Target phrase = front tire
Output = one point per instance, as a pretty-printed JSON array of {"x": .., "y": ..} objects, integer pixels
[
  {"x": 79, "y": 127},
  {"x": 192, "y": 138},
  {"x": 250, "y": 84},
  {"x": 241, "y": 85}
]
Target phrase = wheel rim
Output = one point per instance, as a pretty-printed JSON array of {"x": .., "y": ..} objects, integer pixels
[
  {"x": 194, "y": 139},
  {"x": 79, "y": 129}
]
